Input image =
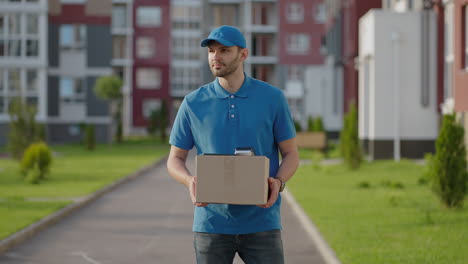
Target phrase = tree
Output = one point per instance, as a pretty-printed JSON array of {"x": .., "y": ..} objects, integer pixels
[
  {"x": 318, "y": 124},
  {"x": 310, "y": 124},
  {"x": 448, "y": 173},
  {"x": 110, "y": 88},
  {"x": 158, "y": 121},
  {"x": 350, "y": 147},
  {"x": 23, "y": 128}
]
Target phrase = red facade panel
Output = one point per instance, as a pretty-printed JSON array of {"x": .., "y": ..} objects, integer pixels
[
  {"x": 75, "y": 14},
  {"x": 158, "y": 59},
  {"x": 460, "y": 69},
  {"x": 309, "y": 26},
  {"x": 353, "y": 10}
]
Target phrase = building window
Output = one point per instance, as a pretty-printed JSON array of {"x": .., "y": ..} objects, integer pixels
[
  {"x": 149, "y": 106},
  {"x": 295, "y": 73},
  {"x": 449, "y": 55},
  {"x": 119, "y": 16},
  {"x": 295, "y": 13},
  {"x": 14, "y": 81},
  {"x": 119, "y": 47},
  {"x": 72, "y": 36},
  {"x": 71, "y": 90},
  {"x": 298, "y": 44},
  {"x": 32, "y": 81},
  {"x": 320, "y": 13},
  {"x": 145, "y": 47},
  {"x": 32, "y": 24},
  {"x": 225, "y": 15},
  {"x": 149, "y": 16},
  {"x": 148, "y": 78}
]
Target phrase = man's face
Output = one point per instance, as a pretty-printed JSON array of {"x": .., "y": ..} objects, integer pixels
[{"x": 224, "y": 60}]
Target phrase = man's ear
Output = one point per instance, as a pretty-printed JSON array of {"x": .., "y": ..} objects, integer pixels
[{"x": 244, "y": 54}]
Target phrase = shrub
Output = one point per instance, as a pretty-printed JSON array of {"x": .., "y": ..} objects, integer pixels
[
  {"x": 310, "y": 124},
  {"x": 350, "y": 147},
  {"x": 89, "y": 137},
  {"x": 36, "y": 162},
  {"x": 163, "y": 120},
  {"x": 448, "y": 173},
  {"x": 23, "y": 129},
  {"x": 318, "y": 124},
  {"x": 297, "y": 125}
]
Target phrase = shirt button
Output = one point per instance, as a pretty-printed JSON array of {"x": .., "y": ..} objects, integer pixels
[
  {"x": 232, "y": 96},
  {"x": 232, "y": 116},
  {"x": 232, "y": 106}
]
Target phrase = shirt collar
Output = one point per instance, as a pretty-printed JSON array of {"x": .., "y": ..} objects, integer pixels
[{"x": 242, "y": 92}]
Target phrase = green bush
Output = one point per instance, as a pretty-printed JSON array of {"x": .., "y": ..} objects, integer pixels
[
  {"x": 163, "y": 120},
  {"x": 350, "y": 147},
  {"x": 310, "y": 124},
  {"x": 297, "y": 126},
  {"x": 318, "y": 125},
  {"x": 448, "y": 173},
  {"x": 89, "y": 137},
  {"x": 23, "y": 128},
  {"x": 36, "y": 162}
]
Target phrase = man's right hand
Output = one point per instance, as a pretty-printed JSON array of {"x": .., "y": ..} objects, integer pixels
[{"x": 192, "y": 186}]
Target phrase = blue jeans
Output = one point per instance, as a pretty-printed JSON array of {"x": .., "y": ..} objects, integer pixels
[{"x": 256, "y": 248}]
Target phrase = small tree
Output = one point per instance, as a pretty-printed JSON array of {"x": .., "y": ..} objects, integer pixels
[
  {"x": 297, "y": 125},
  {"x": 23, "y": 129},
  {"x": 318, "y": 125},
  {"x": 89, "y": 137},
  {"x": 350, "y": 147},
  {"x": 310, "y": 124},
  {"x": 448, "y": 173},
  {"x": 36, "y": 162},
  {"x": 109, "y": 88},
  {"x": 153, "y": 123},
  {"x": 163, "y": 120}
]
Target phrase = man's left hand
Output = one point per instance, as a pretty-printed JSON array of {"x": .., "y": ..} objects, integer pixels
[{"x": 274, "y": 187}]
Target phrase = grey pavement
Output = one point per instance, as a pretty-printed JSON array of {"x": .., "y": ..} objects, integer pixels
[{"x": 146, "y": 220}]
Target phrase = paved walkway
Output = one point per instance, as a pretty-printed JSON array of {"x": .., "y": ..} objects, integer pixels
[{"x": 146, "y": 220}]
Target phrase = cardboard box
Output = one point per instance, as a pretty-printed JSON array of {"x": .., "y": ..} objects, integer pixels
[{"x": 232, "y": 179}]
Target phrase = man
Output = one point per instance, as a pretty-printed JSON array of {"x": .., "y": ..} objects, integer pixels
[{"x": 235, "y": 111}]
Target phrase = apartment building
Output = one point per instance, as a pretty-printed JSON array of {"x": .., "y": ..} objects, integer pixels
[
  {"x": 79, "y": 41},
  {"x": 23, "y": 57},
  {"x": 151, "y": 60},
  {"x": 398, "y": 114},
  {"x": 460, "y": 66},
  {"x": 258, "y": 21},
  {"x": 122, "y": 56},
  {"x": 306, "y": 81},
  {"x": 187, "y": 61}
]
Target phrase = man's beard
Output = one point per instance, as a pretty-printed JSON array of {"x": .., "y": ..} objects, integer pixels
[{"x": 228, "y": 68}]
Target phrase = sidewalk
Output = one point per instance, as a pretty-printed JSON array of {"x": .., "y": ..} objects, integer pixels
[{"x": 146, "y": 220}]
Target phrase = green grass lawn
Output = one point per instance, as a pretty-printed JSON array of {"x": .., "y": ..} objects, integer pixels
[
  {"x": 75, "y": 172},
  {"x": 393, "y": 220}
]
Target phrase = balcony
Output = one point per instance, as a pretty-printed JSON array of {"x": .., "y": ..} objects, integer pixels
[
  {"x": 225, "y": 1},
  {"x": 262, "y": 28},
  {"x": 262, "y": 60}
]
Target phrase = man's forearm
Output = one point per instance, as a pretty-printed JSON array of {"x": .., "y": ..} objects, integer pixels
[
  {"x": 288, "y": 166},
  {"x": 177, "y": 169}
]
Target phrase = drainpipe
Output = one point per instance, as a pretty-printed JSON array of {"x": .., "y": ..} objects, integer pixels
[{"x": 395, "y": 36}]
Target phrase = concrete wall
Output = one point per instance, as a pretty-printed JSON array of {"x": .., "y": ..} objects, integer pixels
[
  {"x": 320, "y": 98},
  {"x": 389, "y": 38}
]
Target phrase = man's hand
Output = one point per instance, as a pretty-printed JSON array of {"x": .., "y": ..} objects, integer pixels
[
  {"x": 192, "y": 186},
  {"x": 273, "y": 187}
]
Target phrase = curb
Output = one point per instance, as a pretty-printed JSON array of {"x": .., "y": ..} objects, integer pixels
[
  {"x": 327, "y": 253},
  {"x": 28, "y": 232}
]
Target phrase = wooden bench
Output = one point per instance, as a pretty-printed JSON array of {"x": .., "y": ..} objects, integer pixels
[{"x": 311, "y": 140}]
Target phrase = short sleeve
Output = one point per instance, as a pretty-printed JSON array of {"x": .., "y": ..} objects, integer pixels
[
  {"x": 283, "y": 128},
  {"x": 181, "y": 133}
]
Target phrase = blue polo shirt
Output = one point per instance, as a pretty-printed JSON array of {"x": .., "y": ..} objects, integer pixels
[{"x": 215, "y": 121}]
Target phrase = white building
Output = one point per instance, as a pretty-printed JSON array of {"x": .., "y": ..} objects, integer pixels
[
  {"x": 23, "y": 57},
  {"x": 397, "y": 83}
]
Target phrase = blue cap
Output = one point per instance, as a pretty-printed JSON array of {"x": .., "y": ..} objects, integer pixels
[{"x": 227, "y": 36}]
